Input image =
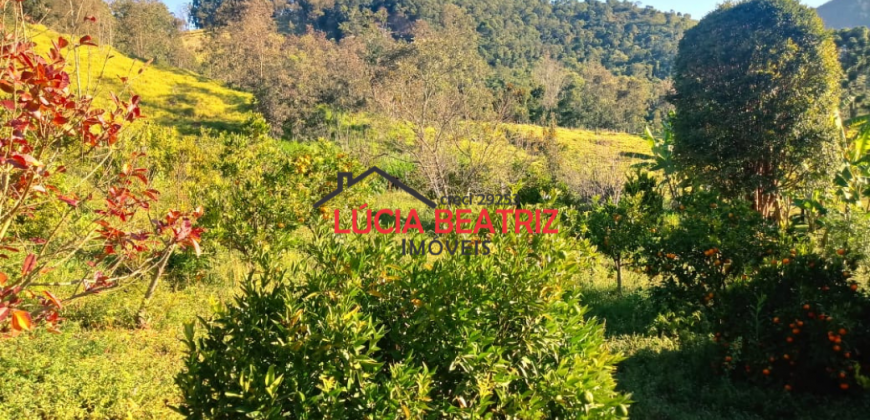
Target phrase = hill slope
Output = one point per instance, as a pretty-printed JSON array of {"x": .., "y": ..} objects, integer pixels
[
  {"x": 839, "y": 14},
  {"x": 170, "y": 96}
]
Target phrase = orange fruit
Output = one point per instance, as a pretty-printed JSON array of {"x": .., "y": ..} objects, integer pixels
[
  {"x": 847, "y": 355},
  {"x": 800, "y": 323},
  {"x": 844, "y": 387},
  {"x": 790, "y": 340},
  {"x": 842, "y": 375},
  {"x": 727, "y": 358},
  {"x": 788, "y": 388},
  {"x": 806, "y": 306},
  {"x": 854, "y": 287},
  {"x": 766, "y": 372},
  {"x": 836, "y": 348},
  {"x": 841, "y": 251},
  {"x": 796, "y": 331},
  {"x": 776, "y": 320},
  {"x": 842, "y": 331},
  {"x": 786, "y": 261}
]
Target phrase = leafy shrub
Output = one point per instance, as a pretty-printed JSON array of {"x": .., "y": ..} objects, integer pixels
[
  {"x": 769, "y": 300},
  {"x": 619, "y": 229},
  {"x": 800, "y": 322},
  {"x": 267, "y": 190},
  {"x": 704, "y": 245},
  {"x": 68, "y": 203},
  {"x": 365, "y": 333}
]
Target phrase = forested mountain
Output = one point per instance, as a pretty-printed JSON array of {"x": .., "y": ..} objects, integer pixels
[
  {"x": 839, "y": 14},
  {"x": 625, "y": 38}
]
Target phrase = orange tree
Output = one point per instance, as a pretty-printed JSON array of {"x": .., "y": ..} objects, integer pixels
[
  {"x": 70, "y": 208},
  {"x": 361, "y": 331},
  {"x": 799, "y": 321},
  {"x": 618, "y": 229},
  {"x": 780, "y": 313}
]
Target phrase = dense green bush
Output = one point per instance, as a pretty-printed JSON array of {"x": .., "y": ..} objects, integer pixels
[
  {"x": 773, "y": 51},
  {"x": 361, "y": 332},
  {"x": 267, "y": 189},
  {"x": 704, "y": 245},
  {"x": 799, "y": 321},
  {"x": 779, "y": 312}
]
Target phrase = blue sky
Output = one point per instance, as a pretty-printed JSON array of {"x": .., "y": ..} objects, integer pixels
[{"x": 697, "y": 8}]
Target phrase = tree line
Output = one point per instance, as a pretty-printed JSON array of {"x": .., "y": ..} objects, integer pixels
[{"x": 590, "y": 64}]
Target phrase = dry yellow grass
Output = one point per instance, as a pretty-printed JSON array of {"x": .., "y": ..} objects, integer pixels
[{"x": 170, "y": 96}]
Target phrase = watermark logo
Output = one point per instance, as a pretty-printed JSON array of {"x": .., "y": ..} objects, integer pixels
[
  {"x": 447, "y": 221},
  {"x": 346, "y": 179}
]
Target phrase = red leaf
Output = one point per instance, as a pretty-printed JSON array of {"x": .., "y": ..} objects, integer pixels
[
  {"x": 29, "y": 264},
  {"x": 8, "y": 104},
  {"x": 17, "y": 161},
  {"x": 71, "y": 200},
  {"x": 91, "y": 18},
  {"x": 62, "y": 42},
  {"x": 3, "y": 278},
  {"x": 53, "y": 299},
  {"x": 152, "y": 194},
  {"x": 87, "y": 40},
  {"x": 21, "y": 320}
]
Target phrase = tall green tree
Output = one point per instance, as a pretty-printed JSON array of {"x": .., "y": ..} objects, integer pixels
[
  {"x": 148, "y": 30},
  {"x": 757, "y": 94},
  {"x": 854, "y": 46}
]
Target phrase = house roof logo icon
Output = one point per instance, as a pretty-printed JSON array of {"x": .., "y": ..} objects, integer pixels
[{"x": 346, "y": 180}]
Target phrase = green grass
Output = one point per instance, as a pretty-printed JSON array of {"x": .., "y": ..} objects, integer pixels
[
  {"x": 103, "y": 367},
  {"x": 583, "y": 147},
  {"x": 170, "y": 97}
]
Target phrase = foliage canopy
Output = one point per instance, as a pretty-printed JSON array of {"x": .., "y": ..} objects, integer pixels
[{"x": 757, "y": 91}]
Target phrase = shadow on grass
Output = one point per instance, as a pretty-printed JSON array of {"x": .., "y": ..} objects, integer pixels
[
  {"x": 677, "y": 382},
  {"x": 628, "y": 313},
  {"x": 635, "y": 155}
]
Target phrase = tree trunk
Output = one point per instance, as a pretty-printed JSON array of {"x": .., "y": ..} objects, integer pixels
[
  {"x": 619, "y": 275},
  {"x": 155, "y": 280}
]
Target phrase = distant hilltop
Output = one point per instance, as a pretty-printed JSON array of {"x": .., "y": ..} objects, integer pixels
[{"x": 839, "y": 14}]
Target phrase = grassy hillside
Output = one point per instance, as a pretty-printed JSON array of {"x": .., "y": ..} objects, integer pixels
[
  {"x": 170, "y": 97},
  {"x": 101, "y": 366}
]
